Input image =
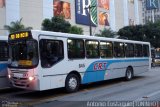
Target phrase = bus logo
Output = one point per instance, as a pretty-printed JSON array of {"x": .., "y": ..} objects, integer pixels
[{"x": 98, "y": 66}]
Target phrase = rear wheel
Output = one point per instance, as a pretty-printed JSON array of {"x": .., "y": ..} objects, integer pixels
[
  {"x": 72, "y": 83},
  {"x": 129, "y": 74}
]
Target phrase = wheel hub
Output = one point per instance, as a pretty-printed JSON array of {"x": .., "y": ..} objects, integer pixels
[
  {"x": 72, "y": 83},
  {"x": 129, "y": 75}
]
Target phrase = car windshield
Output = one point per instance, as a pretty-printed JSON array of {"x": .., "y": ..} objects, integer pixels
[
  {"x": 157, "y": 56},
  {"x": 23, "y": 54}
]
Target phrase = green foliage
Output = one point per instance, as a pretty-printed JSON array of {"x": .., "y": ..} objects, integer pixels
[
  {"x": 106, "y": 33},
  {"x": 16, "y": 26},
  {"x": 149, "y": 32},
  {"x": 152, "y": 33},
  {"x": 76, "y": 30},
  {"x": 56, "y": 24},
  {"x": 132, "y": 32}
]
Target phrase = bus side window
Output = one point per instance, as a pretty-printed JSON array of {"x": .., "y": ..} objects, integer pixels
[
  {"x": 146, "y": 51},
  {"x": 129, "y": 50},
  {"x": 106, "y": 49},
  {"x": 3, "y": 51},
  {"x": 51, "y": 52},
  {"x": 75, "y": 48},
  {"x": 92, "y": 49},
  {"x": 119, "y": 49},
  {"x": 138, "y": 50}
]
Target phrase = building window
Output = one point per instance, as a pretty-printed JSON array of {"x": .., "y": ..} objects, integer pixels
[
  {"x": 131, "y": 1},
  {"x": 143, "y": 14},
  {"x": 143, "y": 20}
]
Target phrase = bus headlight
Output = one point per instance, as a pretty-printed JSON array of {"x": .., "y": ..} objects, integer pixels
[
  {"x": 155, "y": 60},
  {"x": 9, "y": 76},
  {"x": 31, "y": 78}
]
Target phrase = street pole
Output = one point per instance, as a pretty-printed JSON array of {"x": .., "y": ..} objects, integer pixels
[{"x": 90, "y": 22}]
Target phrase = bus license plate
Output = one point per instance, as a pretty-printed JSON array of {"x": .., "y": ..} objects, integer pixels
[{"x": 18, "y": 75}]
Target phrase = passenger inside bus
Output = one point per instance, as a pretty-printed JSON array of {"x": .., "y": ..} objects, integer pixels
[{"x": 51, "y": 53}]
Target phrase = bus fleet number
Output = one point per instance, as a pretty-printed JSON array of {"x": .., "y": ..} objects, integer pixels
[{"x": 81, "y": 65}]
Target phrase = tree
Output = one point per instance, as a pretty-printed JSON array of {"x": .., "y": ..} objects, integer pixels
[
  {"x": 133, "y": 32},
  {"x": 16, "y": 26},
  {"x": 56, "y": 24},
  {"x": 149, "y": 32},
  {"x": 152, "y": 32},
  {"x": 106, "y": 33},
  {"x": 76, "y": 30}
]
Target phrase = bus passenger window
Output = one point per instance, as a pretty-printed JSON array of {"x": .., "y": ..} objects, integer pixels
[
  {"x": 3, "y": 51},
  {"x": 51, "y": 52},
  {"x": 138, "y": 50},
  {"x": 75, "y": 48},
  {"x": 106, "y": 49},
  {"x": 118, "y": 49},
  {"x": 92, "y": 49},
  {"x": 129, "y": 50},
  {"x": 145, "y": 50}
]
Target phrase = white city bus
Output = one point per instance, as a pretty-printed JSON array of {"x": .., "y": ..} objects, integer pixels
[
  {"x": 42, "y": 60},
  {"x": 3, "y": 62}
]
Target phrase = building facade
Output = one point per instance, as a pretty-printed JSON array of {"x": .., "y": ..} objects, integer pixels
[
  {"x": 113, "y": 14},
  {"x": 150, "y": 10}
]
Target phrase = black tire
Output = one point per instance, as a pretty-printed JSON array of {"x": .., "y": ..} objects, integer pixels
[
  {"x": 152, "y": 64},
  {"x": 72, "y": 83},
  {"x": 129, "y": 74}
]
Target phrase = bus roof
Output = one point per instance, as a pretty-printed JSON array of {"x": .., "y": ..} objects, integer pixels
[
  {"x": 3, "y": 37},
  {"x": 66, "y": 35}
]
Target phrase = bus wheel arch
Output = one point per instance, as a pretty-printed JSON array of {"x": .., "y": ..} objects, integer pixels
[
  {"x": 129, "y": 73},
  {"x": 73, "y": 81}
]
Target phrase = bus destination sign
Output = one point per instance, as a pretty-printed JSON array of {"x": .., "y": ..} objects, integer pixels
[{"x": 20, "y": 35}]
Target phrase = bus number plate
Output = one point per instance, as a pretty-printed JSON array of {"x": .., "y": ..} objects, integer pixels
[
  {"x": 81, "y": 65},
  {"x": 18, "y": 75}
]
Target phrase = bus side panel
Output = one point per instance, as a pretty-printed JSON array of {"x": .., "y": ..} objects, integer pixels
[
  {"x": 57, "y": 81},
  {"x": 3, "y": 75},
  {"x": 94, "y": 70},
  {"x": 105, "y": 69},
  {"x": 110, "y": 69},
  {"x": 45, "y": 83},
  {"x": 141, "y": 67},
  {"x": 53, "y": 77}
]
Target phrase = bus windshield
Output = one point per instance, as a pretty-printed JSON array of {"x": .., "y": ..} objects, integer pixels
[{"x": 23, "y": 54}]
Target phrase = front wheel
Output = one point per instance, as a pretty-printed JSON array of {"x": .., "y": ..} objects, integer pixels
[
  {"x": 129, "y": 74},
  {"x": 72, "y": 83},
  {"x": 152, "y": 64}
]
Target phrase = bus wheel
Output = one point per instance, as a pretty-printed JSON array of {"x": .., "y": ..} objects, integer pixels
[
  {"x": 72, "y": 83},
  {"x": 129, "y": 74}
]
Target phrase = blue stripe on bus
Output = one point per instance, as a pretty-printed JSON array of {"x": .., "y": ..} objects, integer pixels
[
  {"x": 92, "y": 76},
  {"x": 3, "y": 67}
]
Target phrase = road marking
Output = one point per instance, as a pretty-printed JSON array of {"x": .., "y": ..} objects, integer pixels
[{"x": 148, "y": 96}]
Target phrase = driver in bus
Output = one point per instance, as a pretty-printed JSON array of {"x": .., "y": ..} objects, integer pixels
[{"x": 49, "y": 55}]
